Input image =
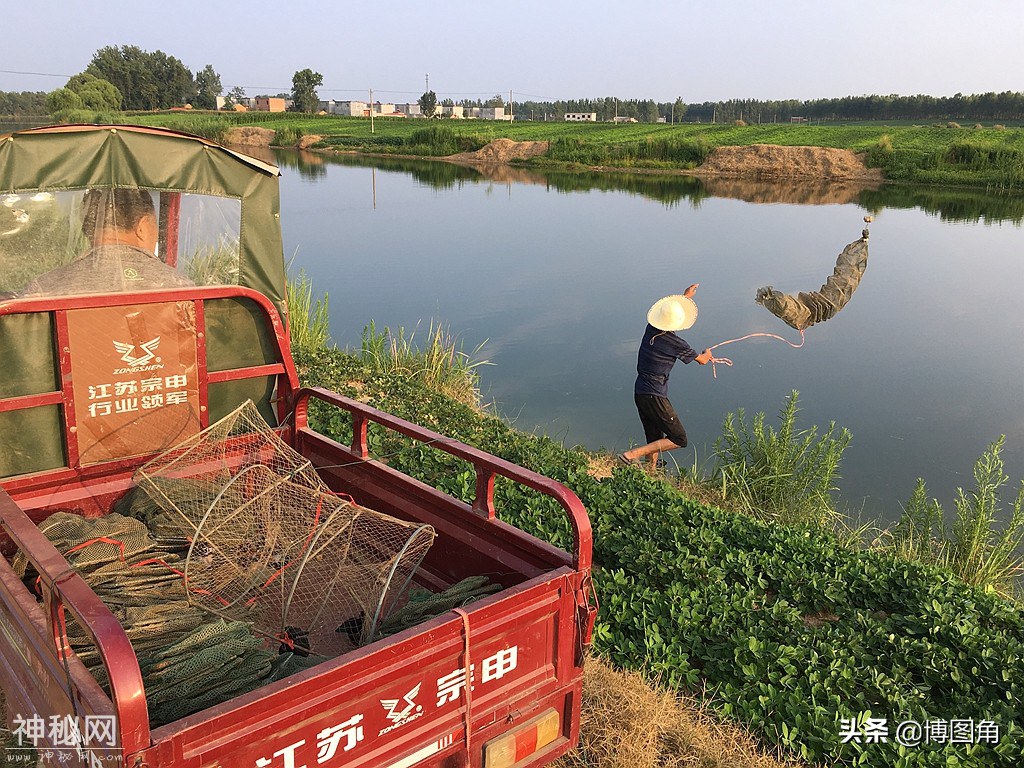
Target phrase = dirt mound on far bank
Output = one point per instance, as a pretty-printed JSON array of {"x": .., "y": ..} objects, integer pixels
[
  {"x": 249, "y": 136},
  {"x": 503, "y": 151},
  {"x": 770, "y": 161}
]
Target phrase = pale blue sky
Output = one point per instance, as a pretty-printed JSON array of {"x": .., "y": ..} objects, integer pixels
[{"x": 701, "y": 51}]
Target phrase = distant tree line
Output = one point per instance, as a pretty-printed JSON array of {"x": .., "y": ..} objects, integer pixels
[
  {"x": 22, "y": 103},
  {"x": 990, "y": 106},
  {"x": 969, "y": 108},
  {"x": 148, "y": 80}
]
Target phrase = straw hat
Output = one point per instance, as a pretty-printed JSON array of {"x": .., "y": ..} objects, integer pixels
[{"x": 673, "y": 313}]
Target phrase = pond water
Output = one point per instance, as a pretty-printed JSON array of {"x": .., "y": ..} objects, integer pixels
[{"x": 554, "y": 275}]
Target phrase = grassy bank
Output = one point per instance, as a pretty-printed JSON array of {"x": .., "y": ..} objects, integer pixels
[
  {"x": 990, "y": 157},
  {"x": 783, "y": 628}
]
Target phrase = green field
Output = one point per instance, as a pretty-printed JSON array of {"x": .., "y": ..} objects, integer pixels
[{"x": 991, "y": 157}]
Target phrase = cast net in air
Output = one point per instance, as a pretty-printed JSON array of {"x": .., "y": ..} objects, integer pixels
[
  {"x": 804, "y": 309},
  {"x": 269, "y": 542}
]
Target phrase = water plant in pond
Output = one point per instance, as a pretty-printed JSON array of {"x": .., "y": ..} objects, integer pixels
[{"x": 972, "y": 547}]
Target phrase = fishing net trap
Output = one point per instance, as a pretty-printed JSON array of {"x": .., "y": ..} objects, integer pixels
[{"x": 268, "y": 542}]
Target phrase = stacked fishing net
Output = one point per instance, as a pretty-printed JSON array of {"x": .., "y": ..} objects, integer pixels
[
  {"x": 423, "y": 604},
  {"x": 189, "y": 659},
  {"x": 268, "y": 541}
]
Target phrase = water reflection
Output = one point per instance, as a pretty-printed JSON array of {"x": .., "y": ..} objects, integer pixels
[
  {"x": 953, "y": 205},
  {"x": 551, "y": 271},
  {"x": 439, "y": 175},
  {"x": 960, "y": 205},
  {"x": 310, "y": 165}
]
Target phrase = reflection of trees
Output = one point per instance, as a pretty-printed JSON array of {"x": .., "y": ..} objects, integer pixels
[
  {"x": 670, "y": 190},
  {"x": 310, "y": 165},
  {"x": 950, "y": 203},
  {"x": 433, "y": 173}
]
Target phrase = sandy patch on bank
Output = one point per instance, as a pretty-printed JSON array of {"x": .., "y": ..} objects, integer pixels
[
  {"x": 502, "y": 151},
  {"x": 764, "y": 162},
  {"x": 770, "y": 161},
  {"x": 249, "y": 136}
]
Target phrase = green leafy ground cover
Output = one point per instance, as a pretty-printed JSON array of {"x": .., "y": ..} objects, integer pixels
[
  {"x": 989, "y": 157},
  {"x": 782, "y": 628}
]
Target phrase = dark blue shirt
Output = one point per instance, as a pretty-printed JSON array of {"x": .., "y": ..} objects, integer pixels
[{"x": 659, "y": 351}]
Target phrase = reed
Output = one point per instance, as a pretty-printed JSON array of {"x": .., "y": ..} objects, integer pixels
[
  {"x": 974, "y": 547},
  {"x": 440, "y": 364},
  {"x": 308, "y": 318},
  {"x": 786, "y": 474},
  {"x": 441, "y": 140},
  {"x": 650, "y": 152},
  {"x": 287, "y": 136},
  {"x": 214, "y": 264}
]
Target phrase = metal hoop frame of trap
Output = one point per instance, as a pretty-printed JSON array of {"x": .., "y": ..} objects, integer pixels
[
  {"x": 377, "y": 616},
  {"x": 369, "y": 630},
  {"x": 248, "y": 512},
  {"x": 209, "y": 510}
]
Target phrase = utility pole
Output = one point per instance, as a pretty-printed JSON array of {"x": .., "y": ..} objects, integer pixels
[
  {"x": 371, "y": 110},
  {"x": 428, "y": 82},
  {"x": 510, "y": 116}
]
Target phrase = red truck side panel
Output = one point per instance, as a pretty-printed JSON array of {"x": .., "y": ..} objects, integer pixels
[{"x": 397, "y": 696}]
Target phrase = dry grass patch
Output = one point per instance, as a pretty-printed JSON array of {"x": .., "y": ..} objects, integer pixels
[
  {"x": 628, "y": 723},
  {"x": 600, "y": 465}
]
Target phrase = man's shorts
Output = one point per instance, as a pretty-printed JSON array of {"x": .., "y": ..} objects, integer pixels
[{"x": 659, "y": 419}]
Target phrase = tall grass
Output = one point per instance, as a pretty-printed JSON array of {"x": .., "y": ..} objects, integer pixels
[
  {"x": 308, "y": 318},
  {"x": 287, "y": 136},
  {"x": 441, "y": 140},
  {"x": 215, "y": 263},
  {"x": 971, "y": 547},
  {"x": 786, "y": 474},
  {"x": 439, "y": 364},
  {"x": 649, "y": 152}
]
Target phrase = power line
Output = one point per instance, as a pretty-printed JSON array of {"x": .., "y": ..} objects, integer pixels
[{"x": 38, "y": 74}]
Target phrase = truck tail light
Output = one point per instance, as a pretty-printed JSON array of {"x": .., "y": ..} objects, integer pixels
[{"x": 519, "y": 743}]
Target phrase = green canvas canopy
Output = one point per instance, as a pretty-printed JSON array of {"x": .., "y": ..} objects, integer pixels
[
  {"x": 215, "y": 217},
  {"x": 38, "y": 163}
]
